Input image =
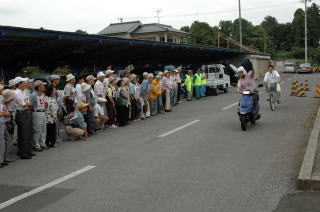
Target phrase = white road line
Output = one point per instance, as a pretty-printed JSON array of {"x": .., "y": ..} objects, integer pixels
[
  {"x": 177, "y": 129},
  {"x": 230, "y": 106},
  {"x": 41, "y": 188}
]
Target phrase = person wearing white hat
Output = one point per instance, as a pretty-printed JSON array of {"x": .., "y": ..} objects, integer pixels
[
  {"x": 167, "y": 84},
  {"x": 145, "y": 89},
  {"x": 79, "y": 80},
  {"x": 98, "y": 86},
  {"x": 55, "y": 80},
  {"x": 90, "y": 99},
  {"x": 28, "y": 88},
  {"x": 106, "y": 81},
  {"x": 86, "y": 98},
  {"x": 174, "y": 81},
  {"x": 11, "y": 85},
  {"x": 8, "y": 97},
  {"x": 4, "y": 114},
  {"x": 39, "y": 120},
  {"x": 155, "y": 91},
  {"x": 122, "y": 103},
  {"x": 100, "y": 115},
  {"x": 134, "y": 99},
  {"x": 23, "y": 119},
  {"x": 70, "y": 93}
]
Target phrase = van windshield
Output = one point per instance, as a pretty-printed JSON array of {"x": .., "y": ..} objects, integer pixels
[{"x": 288, "y": 65}]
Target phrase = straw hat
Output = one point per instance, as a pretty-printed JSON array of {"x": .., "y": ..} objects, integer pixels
[
  {"x": 70, "y": 77},
  {"x": 151, "y": 75},
  {"x": 132, "y": 77},
  {"x": 81, "y": 106},
  {"x": 8, "y": 95},
  {"x": 111, "y": 79}
]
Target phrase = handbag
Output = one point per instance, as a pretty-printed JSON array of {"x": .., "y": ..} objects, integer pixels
[
  {"x": 145, "y": 108},
  {"x": 278, "y": 88}
]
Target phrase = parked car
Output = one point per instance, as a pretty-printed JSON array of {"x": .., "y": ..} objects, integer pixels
[
  {"x": 218, "y": 78},
  {"x": 305, "y": 68},
  {"x": 289, "y": 68}
]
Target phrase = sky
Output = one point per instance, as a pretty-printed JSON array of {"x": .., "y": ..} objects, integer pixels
[{"x": 94, "y": 15}]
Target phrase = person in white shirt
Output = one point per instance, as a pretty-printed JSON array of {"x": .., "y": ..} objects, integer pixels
[
  {"x": 272, "y": 78},
  {"x": 29, "y": 88},
  {"x": 79, "y": 80},
  {"x": 106, "y": 81},
  {"x": 23, "y": 119},
  {"x": 99, "y": 87},
  {"x": 100, "y": 117}
]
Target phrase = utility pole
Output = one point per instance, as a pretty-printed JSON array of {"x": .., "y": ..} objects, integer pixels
[
  {"x": 305, "y": 31},
  {"x": 158, "y": 11},
  {"x": 240, "y": 24},
  {"x": 120, "y": 19}
]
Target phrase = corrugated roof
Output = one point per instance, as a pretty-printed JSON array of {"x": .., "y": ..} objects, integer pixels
[{"x": 116, "y": 28}]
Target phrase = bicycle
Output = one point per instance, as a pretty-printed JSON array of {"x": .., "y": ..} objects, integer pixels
[{"x": 273, "y": 95}]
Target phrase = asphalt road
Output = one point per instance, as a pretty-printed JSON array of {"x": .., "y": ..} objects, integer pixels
[{"x": 210, "y": 165}]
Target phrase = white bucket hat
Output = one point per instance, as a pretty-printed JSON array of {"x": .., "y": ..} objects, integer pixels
[
  {"x": 70, "y": 77},
  {"x": 17, "y": 80},
  {"x": 85, "y": 87},
  {"x": 100, "y": 74}
]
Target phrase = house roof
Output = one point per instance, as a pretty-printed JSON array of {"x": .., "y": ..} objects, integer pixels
[
  {"x": 125, "y": 27},
  {"x": 149, "y": 28},
  {"x": 136, "y": 27}
]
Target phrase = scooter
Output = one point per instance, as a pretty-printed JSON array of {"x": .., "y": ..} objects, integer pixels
[{"x": 245, "y": 109}]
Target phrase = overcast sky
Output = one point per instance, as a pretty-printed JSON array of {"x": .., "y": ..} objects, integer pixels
[{"x": 93, "y": 15}]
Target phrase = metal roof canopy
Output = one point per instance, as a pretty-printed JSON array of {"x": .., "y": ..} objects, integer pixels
[{"x": 20, "y": 47}]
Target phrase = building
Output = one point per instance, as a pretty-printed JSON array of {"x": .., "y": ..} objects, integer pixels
[{"x": 151, "y": 32}]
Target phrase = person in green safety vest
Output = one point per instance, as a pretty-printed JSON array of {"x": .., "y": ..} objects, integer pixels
[
  {"x": 188, "y": 82},
  {"x": 203, "y": 84},
  {"x": 197, "y": 83}
]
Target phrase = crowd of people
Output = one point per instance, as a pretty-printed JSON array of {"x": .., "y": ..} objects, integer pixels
[{"x": 31, "y": 113}]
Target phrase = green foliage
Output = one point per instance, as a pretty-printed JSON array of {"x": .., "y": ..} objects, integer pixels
[
  {"x": 28, "y": 71},
  {"x": 202, "y": 33},
  {"x": 63, "y": 70},
  {"x": 81, "y": 32}
]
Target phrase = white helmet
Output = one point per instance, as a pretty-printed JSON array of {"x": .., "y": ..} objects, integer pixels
[{"x": 241, "y": 69}]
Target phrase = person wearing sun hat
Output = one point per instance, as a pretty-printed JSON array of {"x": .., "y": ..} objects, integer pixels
[
  {"x": 167, "y": 84},
  {"x": 70, "y": 93},
  {"x": 4, "y": 114},
  {"x": 111, "y": 103},
  {"x": 100, "y": 115},
  {"x": 39, "y": 121},
  {"x": 98, "y": 86},
  {"x": 88, "y": 117},
  {"x": 8, "y": 97},
  {"x": 76, "y": 127},
  {"x": 29, "y": 87},
  {"x": 91, "y": 100}
]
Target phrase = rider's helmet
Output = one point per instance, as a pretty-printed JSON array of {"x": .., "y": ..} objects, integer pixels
[{"x": 241, "y": 69}]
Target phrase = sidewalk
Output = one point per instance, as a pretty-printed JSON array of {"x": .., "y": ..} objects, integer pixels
[{"x": 309, "y": 176}]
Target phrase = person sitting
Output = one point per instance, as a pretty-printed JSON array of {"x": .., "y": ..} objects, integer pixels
[
  {"x": 75, "y": 125},
  {"x": 100, "y": 117}
]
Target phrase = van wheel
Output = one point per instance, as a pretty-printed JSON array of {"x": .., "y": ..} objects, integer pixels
[
  {"x": 216, "y": 91},
  {"x": 226, "y": 89}
]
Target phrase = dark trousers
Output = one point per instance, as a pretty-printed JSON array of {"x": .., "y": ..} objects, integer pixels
[
  {"x": 89, "y": 119},
  {"x": 123, "y": 115},
  {"x": 51, "y": 134},
  {"x": 134, "y": 114},
  {"x": 179, "y": 92},
  {"x": 111, "y": 113},
  {"x": 24, "y": 123}
]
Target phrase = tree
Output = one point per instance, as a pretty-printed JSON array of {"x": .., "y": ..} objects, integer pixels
[
  {"x": 28, "y": 71},
  {"x": 298, "y": 28},
  {"x": 313, "y": 14},
  {"x": 185, "y": 29},
  {"x": 81, "y": 32},
  {"x": 202, "y": 33},
  {"x": 225, "y": 27}
]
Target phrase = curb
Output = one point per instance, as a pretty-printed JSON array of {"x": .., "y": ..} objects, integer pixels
[{"x": 305, "y": 179}]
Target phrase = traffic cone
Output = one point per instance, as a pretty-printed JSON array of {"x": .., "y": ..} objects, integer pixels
[
  {"x": 293, "y": 88},
  {"x": 306, "y": 86},
  {"x": 317, "y": 93},
  {"x": 301, "y": 91}
]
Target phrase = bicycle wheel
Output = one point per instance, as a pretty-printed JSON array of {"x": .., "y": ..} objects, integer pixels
[{"x": 272, "y": 101}]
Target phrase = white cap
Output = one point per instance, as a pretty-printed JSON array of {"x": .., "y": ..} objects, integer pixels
[
  {"x": 100, "y": 74},
  {"x": 160, "y": 73},
  {"x": 150, "y": 75},
  {"x": 17, "y": 80},
  {"x": 85, "y": 87},
  {"x": 102, "y": 100},
  {"x": 145, "y": 73}
]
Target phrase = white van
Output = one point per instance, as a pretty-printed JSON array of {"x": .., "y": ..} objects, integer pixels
[
  {"x": 218, "y": 79},
  {"x": 289, "y": 68}
]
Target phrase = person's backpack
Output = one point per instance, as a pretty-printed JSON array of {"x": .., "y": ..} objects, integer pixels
[{"x": 69, "y": 117}]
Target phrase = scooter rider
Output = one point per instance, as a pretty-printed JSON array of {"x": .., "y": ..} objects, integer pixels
[{"x": 247, "y": 82}]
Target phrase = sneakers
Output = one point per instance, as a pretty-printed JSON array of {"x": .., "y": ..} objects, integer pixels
[{"x": 112, "y": 126}]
